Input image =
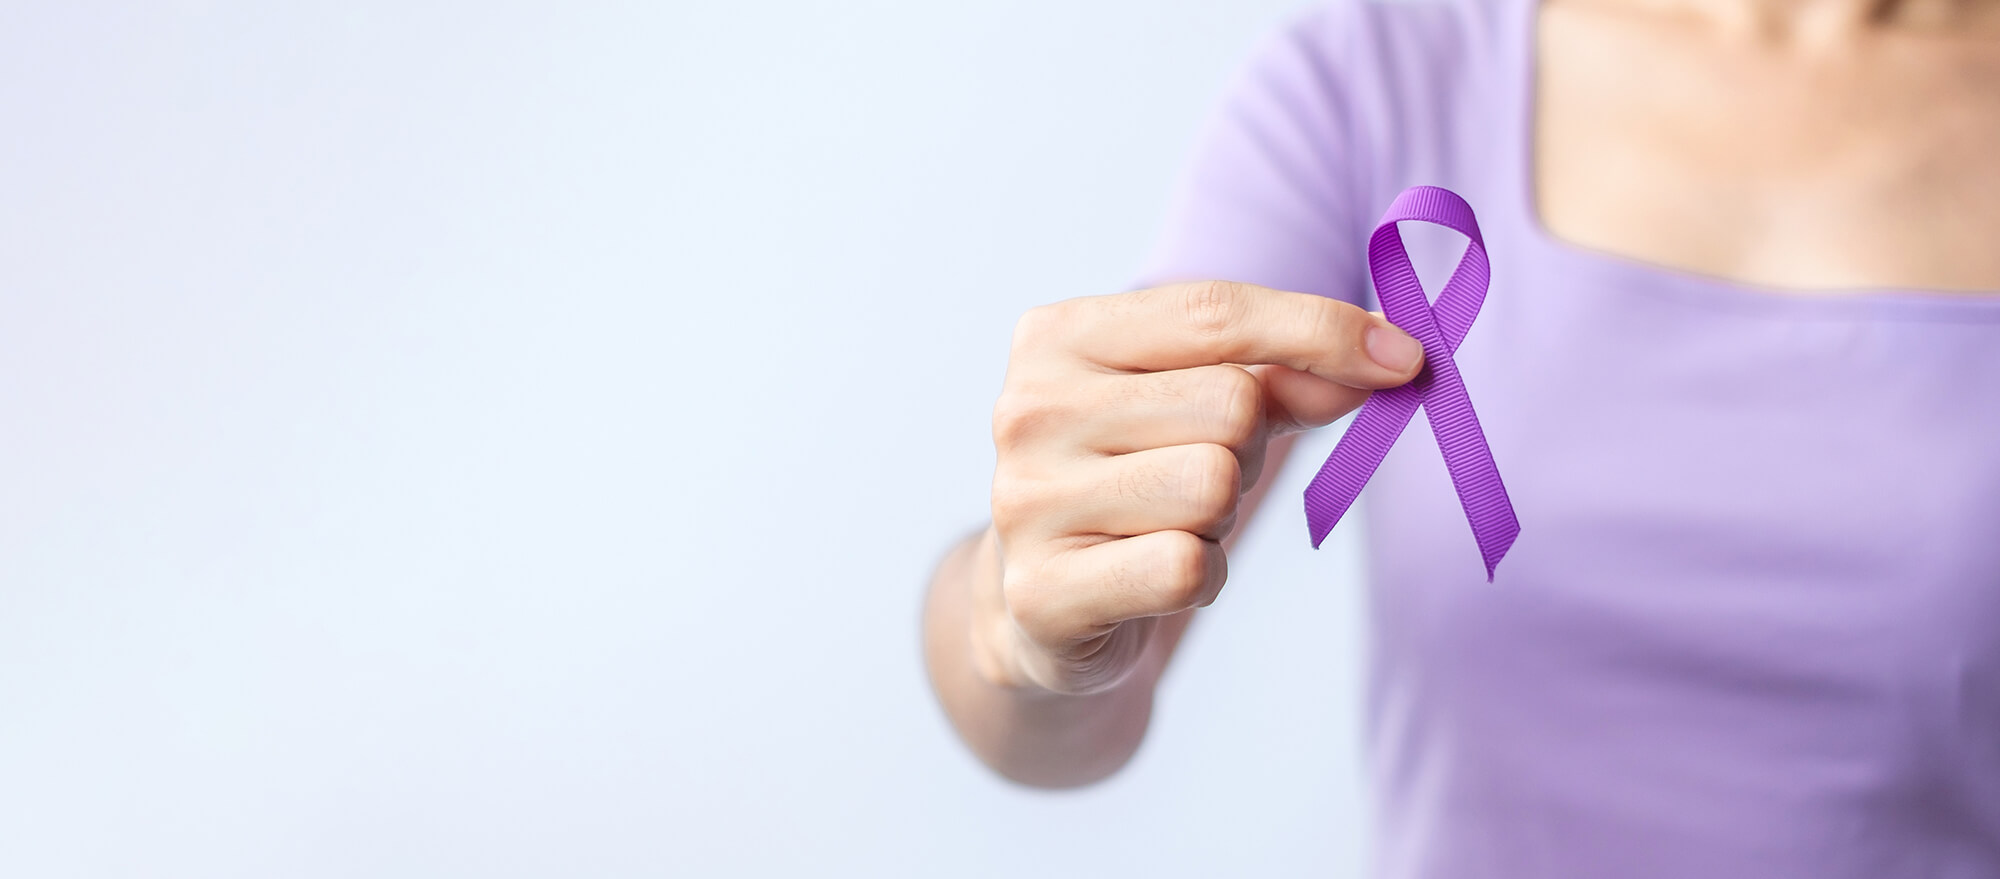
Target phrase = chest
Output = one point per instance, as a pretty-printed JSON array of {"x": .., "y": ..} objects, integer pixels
[
  {"x": 1872, "y": 166},
  {"x": 1751, "y": 549}
]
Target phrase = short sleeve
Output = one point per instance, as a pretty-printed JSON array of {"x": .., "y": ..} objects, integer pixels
[{"x": 1273, "y": 192}]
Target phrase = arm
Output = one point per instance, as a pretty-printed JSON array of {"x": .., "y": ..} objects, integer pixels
[{"x": 1130, "y": 427}]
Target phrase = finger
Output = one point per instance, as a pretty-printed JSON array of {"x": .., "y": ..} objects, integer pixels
[
  {"x": 1187, "y": 325},
  {"x": 1087, "y": 665},
  {"x": 1101, "y": 585},
  {"x": 1238, "y": 407},
  {"x": 1191, "y": 488},
  {"x": 1120, "y": 414},
  {"x": 1296, "y": 401}
]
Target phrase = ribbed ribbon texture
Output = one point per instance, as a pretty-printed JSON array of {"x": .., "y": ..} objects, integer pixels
[{"x": 1438, "y": 387}]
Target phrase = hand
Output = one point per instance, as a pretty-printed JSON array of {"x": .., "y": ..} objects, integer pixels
[{"x": 1127, "y": 431}]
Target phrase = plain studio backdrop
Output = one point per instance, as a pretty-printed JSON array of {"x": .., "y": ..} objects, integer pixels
[{"x": 496, "y": 441}]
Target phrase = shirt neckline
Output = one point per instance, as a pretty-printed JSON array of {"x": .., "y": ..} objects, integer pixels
[{"x": 1898, "y": 303}]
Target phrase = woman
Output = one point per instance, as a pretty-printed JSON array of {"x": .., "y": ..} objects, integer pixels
[{"x": 1739, "y": 367}]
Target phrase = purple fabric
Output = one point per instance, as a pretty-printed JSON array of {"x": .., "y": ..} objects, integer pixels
[
  {"x": 1437, "y": 388},
  {"x": 1754, "y": 627}
]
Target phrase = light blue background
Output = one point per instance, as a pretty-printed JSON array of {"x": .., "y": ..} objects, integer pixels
[{"x": 499, "y": 440}]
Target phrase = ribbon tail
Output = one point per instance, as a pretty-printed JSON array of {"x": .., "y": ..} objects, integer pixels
[
  {"x": 1360, "y": 450},
  {"x": 1470, "y": 462}
]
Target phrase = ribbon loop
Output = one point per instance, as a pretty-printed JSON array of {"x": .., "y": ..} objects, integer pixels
[{"x": 1438, "y": 387}]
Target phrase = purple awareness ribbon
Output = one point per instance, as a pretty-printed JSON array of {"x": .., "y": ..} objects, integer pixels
[{"x": 1438, "y": 387}]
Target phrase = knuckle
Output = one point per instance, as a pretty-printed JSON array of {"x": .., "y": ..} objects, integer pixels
[
  {"x": 1337, "y": 322},
  {"x": 1182, "y": 569},
  {"x": 1212, "y": 307},
  {"x": 1040, "y": 604},
  {"x": 1018, "y": 417},
  {"x": 1241, "y": 406},
  {"x": 1029, "y": 606},
  {"x": 1210, "y": 481},
  {"x": 1037, "y": 326},
  {"x": 1015, "y": 501}
]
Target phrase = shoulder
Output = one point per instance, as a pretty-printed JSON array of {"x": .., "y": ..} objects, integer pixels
[
  {"x": 1408, "y": 83},
  {"x": 1336, "y": 112},
  {"x": 1402, "y": 37}
]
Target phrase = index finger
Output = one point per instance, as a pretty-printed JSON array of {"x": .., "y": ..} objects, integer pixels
[{"x": 1208, "y": 322}]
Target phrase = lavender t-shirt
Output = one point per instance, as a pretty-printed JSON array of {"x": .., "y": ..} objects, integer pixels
[{"x": 1752, "y": 624}]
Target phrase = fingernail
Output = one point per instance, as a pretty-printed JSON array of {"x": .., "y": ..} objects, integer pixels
[{"x": 1393, "y": 348}]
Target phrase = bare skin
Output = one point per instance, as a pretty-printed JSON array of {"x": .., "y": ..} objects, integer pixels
[
  {"x": 1127, "y": 436},
  {"x": 1813, "y": 145}
]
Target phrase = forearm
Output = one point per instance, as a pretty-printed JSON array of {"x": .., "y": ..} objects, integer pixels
[{"x": 1022, "y": 731}]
